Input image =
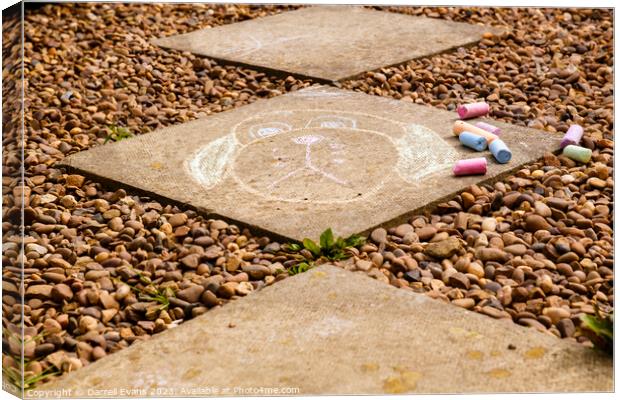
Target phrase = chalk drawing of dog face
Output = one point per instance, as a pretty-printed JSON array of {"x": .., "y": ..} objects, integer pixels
[{"x": 334, "y": 156}]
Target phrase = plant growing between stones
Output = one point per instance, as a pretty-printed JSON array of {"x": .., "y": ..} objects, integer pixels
[
  {"x": 151, "y": 293},
  {"x": 117, "y": 133},
  {"x": 599, "y": 329},
  {"x": 300, "y": 268},
  {"x": 329, "y": 248},
  {"x": 13, "y": 373},
  {"x": 30, "y": 380},
  {"x": 158, "y": 295}
]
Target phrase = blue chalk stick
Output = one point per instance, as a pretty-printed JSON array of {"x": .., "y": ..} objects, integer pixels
[
  {"x": 473, "y": 141},
  {"x": 500, "y": 151}
]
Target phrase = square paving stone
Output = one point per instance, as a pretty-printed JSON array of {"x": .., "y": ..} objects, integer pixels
[
  {"x": 297, "y": 164},
  {"x": 330, "y": 331},
  {"x": 327, "y": 43}
]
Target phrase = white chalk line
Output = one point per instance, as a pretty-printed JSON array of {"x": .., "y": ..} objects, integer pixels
[
  {"x": 398, "y": 124},
  {"x": 209, "y": 163},
  {"x": 413, "y": 165},
  {"x": 248, "y": 48},
  {"x": 367, "y": 192},
  {"x": 409, "y": 166}
]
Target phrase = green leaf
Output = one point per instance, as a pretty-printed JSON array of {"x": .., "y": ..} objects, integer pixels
[
  {"x": 292, "y": 247},
  {"x": 339, "y": 255},
  {"x": 49, "y": 372},
  {"x": 327, "y": 239},
  {"x": 312, "y": 247},
  {"x": 117, "y": 134},
  {"x": 602, "y": 327},
  {"x": 599, "y": 329},
  {"x": 355, "y": 241},
  {"x": 299, "y": 268}
]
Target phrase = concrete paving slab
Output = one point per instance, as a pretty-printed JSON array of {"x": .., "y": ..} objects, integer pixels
[
  {"x": 327, "y": 43},
  {"x": 300, "y": 163},
  {"x": 330, "y": 331}
]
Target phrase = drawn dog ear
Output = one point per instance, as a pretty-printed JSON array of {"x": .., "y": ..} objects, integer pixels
[
  {"x": 209, "y": 164},
  {"x": 422, "y": 152}
]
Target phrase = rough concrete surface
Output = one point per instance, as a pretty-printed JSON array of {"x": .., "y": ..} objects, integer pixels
[
  {"x": 330, "y": 331},
  {"x": 299, "y": 163},
  {"x": 328, "y": 43}
]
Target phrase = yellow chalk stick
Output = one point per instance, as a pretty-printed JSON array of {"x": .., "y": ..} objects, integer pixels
[{"x": 461, "y": 126}]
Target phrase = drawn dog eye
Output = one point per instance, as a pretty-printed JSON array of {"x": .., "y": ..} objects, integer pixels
[{"x": 268, "y": 131}]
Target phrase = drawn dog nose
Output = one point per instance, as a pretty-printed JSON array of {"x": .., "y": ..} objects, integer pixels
[{"x": 308, "y": 139}]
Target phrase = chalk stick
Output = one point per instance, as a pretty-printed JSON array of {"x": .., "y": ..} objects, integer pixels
[
  {"x": 473, "y": 141},
  {"x": 488, "y": 127},
  {"x": 470, "y": 166},
  {"x": 572, "y": 136},
  {"x": 472, "y": 110},
  {"x": 500, "y": 151},
  {"x": 461, "y": 126},
  {"x": 577, "y": 153}
]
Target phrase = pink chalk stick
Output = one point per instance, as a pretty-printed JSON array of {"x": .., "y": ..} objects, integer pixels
[
  {"x": 572, "y": 136},
  {"x": 472, "y": 110},
  {"x": 470, "y": 166},
  {"x": 488, "y": 127}
]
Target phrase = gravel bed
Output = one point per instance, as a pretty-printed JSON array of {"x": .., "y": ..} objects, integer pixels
[
  {"x": 100, "y": 265},
  {"x": 104, "y": 268},
  {"x": 536, "y": 247}
]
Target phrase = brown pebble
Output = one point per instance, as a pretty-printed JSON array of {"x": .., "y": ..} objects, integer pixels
[
  {"x": 256, "y": 271},
  {"x": 443, "y": 249},
  {"x": 218, "y": 224},
  {"x": 491, "y": 254},
  {"x": 465, "y": 303},
  {"x": 75, "y": 181},
  {"x": 597, "y": 183},
  {"x": 191, "y": 294},
  {"x": 87, "y": 323},
  {"x": 379, "y": 235},
  {"x": 535, "y": 223},
  {"x": 227, "y": 290},
  {"x": 459, "y": 280},
  {"x": 403, "y": 229},
  {"x": 177, "y": 219},
  {"x": 555, "y": 314},
  {"x": 475, "y": 269},
  {"x": 516, "y": 249},
  {"x": 426, "y": 233},
  {"x": 209, "y": 298},
  {"x": 61, "y": 292},
  {"x": 39, "y": 291},
  {"x": 566, "y": 327},
  {"x": 98, "y": 353},
  {"x": 191, "y": 261},
  {"x": 494, "y": 312},
  {"x": 52, "y": 326},
  {"x": 107, "y": 301},
  {"x": 532, "y": 323}
]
